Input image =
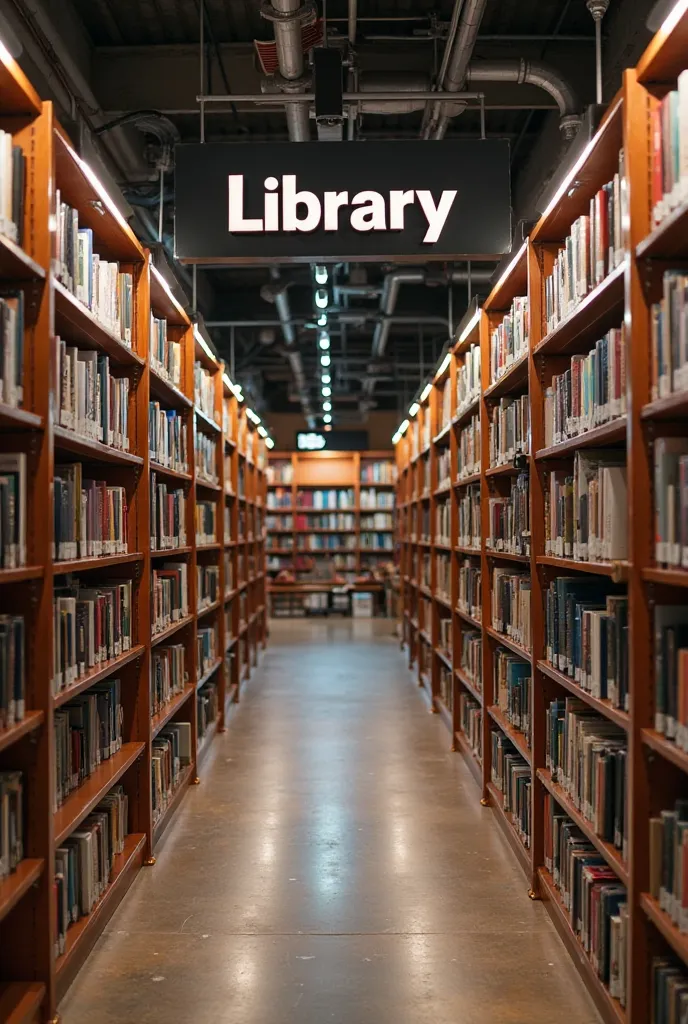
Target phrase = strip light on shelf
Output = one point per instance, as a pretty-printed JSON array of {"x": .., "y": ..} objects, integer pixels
[
  {"x": 269, "y": 442},
  {"x": 324, "y": 340},
  {"x": 413, "y": 408},
  {"x": 443, "y": 365},
  {"x": 326, "y": 379},
  {"x": 327, "y": 418},
  {"x": 203, "y": 343},
  {"x": 262, "y": 431},
  {"x": 674, "y": 16},
  {"x": 254, "y": 418},
  {"x": 425, "y": 392},
  {"x": 470, "y": 327},
  {"x": 327, "y": 406},
  {"x": 322, "y": 320},
  {"x": 326, "y": 391}
]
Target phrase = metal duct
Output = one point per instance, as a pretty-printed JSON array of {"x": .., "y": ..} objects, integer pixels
[
  {"x": 433, "y": 112},
  {"x": 277, "y": 293},
  {"x": 390, "y": 81},
  {"x": 353, "y": 14},
  {"x": 469, "y": 24},
  {"x": 532, "y": 72},
  {"x": 287, "y": 15}
]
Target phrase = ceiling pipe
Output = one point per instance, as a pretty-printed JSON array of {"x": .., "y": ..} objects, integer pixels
[
  {"x": 352, "y": 16},
  {"x": 461, "y": 52},
  {"x": 431, "y": 113},
  {"x": 277, "y": 294},
  {"x": 533, "y": 72},
  {"x": 287, "y": 16}
]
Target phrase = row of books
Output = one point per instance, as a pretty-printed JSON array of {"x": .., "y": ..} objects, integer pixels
[
  {"x": 444, "y": 406},
  {"x": 12, "y": 349},
  {"x": 165, "y": 354},
  {"x": 84, "y": 863},
  {"x": 586, "y": 635},
  {"x": 207, "y": 586},
  {"x": 469, "y": 449},
  {"x": 468, "y": 382},
  {"x": 167, "y": 516},
  {"x": 205, "y": 456},
  {"x": 378, "y": 472},
  {"x": 512, "y": 776},
  {"x": 586, "y": 754},
  {"x": 12, "y": 188},
  {"x": 376, "y": 542},
  {"x": 280, "y": 473},
  {"x": 591, "y": 251},
  {"x": 207, "y": 649},
  {"x": 99, "y": 285},
  {"x": 442, "y": 522},
  {"x": 206, "y": 522},
  {"x": 586, "y": 512},
  {"x": 204, "y": 391},
  {"x": 470, "y": 527},
  {"x": 446, "y": 687},
  {"x": 208, "y": 707},
  {"x": 511, "y": 605},
  {"x": 592, "y": 391},
  {"x": 509, "y": 519},
  {"x": 90, "y": 517},
  {"x": 325, "y": 541},
  {"x": 669, "y": 862},
  {"x": 167, "y": 438},
  {"x": 278, "y": 522},
  {"x": 88, "y": 731},
  {"x": 445, "y": 635},
  {"x": 11, "y": 821},
  {"x": 92, "y": 625},
  {"x": 326, "y": 499},
  {"x": 91, "y": 401},
  {"x": 170, "y": 754},
  {"x": 509, "y": 430},
  {"x": 671, "y": 501},
  {"x": 168, "y": 675},
  {"x": 594, "y": 900},
  {"x": 420, "y": 436},
  {"x": 372, "y": 499},
  {"x": 470, "y": 600},
  {"x": 669, "y": 349},
  {"x": 12, "y": 670},
  {"x": 332, "y": 521},
  {"x": 512, "y": 686},
  {"x": 443, "y": 576},
  {"x": 279, "y": 498},
  {"x": 444, "y": 468},
  {"x": 170, "y": 595},
  {"x": 669, "y": 174},
  {"x": 471, "y": 722},
  {"x": 13, "y": 507},
  {"x": 509, "y": 340},
  {"x": 378, "y": 521},
  {"x": 472, "y": 656},
  {"x": 671, "y": 672},
  {"x": 668, "y": 991}
]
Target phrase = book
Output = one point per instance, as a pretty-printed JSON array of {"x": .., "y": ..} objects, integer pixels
[
  {"x": 90, "y": 516},
  {"x": 668, "y": 990},
  {"x": 12, "y": 188},
  {"x": 512, "y": 687},
  {"x": 170, "y": 591},
  {"x": 91, "y": 401},
  {"x": 13, "y": 485},
  {"x": 470, "y": 528},
  {"x": 207, "y": 585},
  {"x": 468, "y": 463},
  {"x": 511, "y": 604},
  {"x": 167, "y": 516},
  {"x": 468, "y": 384},
  {"x": 509, "y": 423},
  {"x": 470, "y": 600},
  {"x": 206, "y": 522},
  {"x": 281, "y": 472},
  {"x": 204, "y": 391},
  {"x": 509, "y": 518},
  {"x": 669, "y": 150},
  {"x": 512, "y": 776},
  {"x": 671, "y": 672},
  {"x": 11, "y": 821},
  {"x": 208, "y": 707},
  {"x": 168, "y": 675},
  {"x": 205, "y": 458},
  {"x": 170, "y": 754},
  {"x": 509, "y": 340},
  {"x": 91, "y": 626},
  {"x": 12, "y": 670},
  {"x": 374, "y": 472},
  {"x": 471, "y": 723},
  {"x": 88, "y": 731},
  {"x": 586, "y": 511},
  {"x": 472, "y": 657},
  {"x": 207, "y": 649},
  {"x": 12, "y": 348},
  {"x": 165, "y": 353}
]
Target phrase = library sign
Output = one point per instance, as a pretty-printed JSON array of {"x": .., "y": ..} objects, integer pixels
[{"x": 243, "y": 202}]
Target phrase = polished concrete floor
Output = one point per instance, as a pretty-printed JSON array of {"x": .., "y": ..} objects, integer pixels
[{"x": 334, "y": 867}]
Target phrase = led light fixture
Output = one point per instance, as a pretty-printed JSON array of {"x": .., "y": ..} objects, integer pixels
[
  {"x": 403, "y": 427},
  {"x": 413, "y": 408},
  {"x": 321, "y": 275},
  {"x": 326, "y": 379},
  {"x": 326, "y": 391},
  {"x": 443, "y": 365},
  {"x": 269, "y": 442},
  {"x": 327, "y": 418},
  {"x": 327, "y": 406},
  {"x": 254, "y": 418},
  {"x": 322, "y": 319},
  {"x": 203, "y": 343},
  {"x": 425, "y": 392},
  {"x": 396, "y": 437},
  {"x": 322, "y": 298},
  {"x": 469, "y": 326},
  {"x": 325, "y": 359},
  {"x": 262, "y": 431},
  {"x": 324, "y": 340}
]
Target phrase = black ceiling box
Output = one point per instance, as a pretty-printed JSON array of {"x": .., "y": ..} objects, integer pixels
[{"x": 238, "y": 203}]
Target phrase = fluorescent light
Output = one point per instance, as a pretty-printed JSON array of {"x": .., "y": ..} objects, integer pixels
[
  {"x": 324, "y": 341},
  {"x": 468, "y": 329},
  {"x": 326, "y": 379},
  {"x": 327, "y": 418},
  {"x": 326, "y": 391},
  {"x": 227, "y": 381},
  {"x": 98, "y": 186},
  {"x": 203, "y": 343},
  {"x": 321, "y": 275},
  {"x": 396, "y": 437},
  {"x": 269, "y": 442},
  {"x": 322, "y": 298},
  {"x": 413, "y": 408},
  {"x": 252, "y": 416},
  {"x": 425, "y": 392},
  {"x": 262, "y": 431},
  {"x": 322, "y": 319},
  {"x": 443, "y": 365},
  {"x": 327, "y": 406},
  {"x": 325, "y": 359},
  {"x": 674, "y": 16},
  {"x": 403, "y": 427},
  {"x": 237, "y": 393},
  {"x": 165, "y": 286},
  {"x": 523, "y": 248}
]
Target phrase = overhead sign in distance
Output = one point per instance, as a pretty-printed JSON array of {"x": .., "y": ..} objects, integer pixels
[{"x": 242, "y": 202}]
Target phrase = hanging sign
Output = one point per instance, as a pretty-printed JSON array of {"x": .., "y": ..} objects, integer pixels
[
  {"x": 333, "y": 441},
  {"x": 243, "y": 202}
]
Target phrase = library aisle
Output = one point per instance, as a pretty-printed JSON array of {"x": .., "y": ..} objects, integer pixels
[{"x": 333, "y": 866}]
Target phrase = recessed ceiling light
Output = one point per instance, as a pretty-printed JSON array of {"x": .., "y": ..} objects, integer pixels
[
  {"x": 321, "y": 275},
  {"x": 325, "y": 359},
  {"x": 326, "y": 379},
  {"x": 322, "y": 319},
  {"x": 324, "y": 341},
  {"x": 322, "y": 298},
  {"x": 326, "y": 390},
  {"x": 327, "y": 406},
  {"x": 327, "y": 418}
]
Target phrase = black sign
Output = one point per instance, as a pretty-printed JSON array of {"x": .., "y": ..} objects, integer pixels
[
  {"x": 332, "y": 441},
  {"x": 243, "y": 202}
]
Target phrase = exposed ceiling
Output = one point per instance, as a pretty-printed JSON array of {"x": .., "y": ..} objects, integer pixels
[{"x": 104, "y": 60}]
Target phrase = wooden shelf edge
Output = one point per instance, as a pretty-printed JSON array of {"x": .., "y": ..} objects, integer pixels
[
  {"x": 668, "y": 750},
  {"x": 158, "y": 638},
  {"x": 81, "y": 801},
  {"x": 24, "y": 574},
  {"x": 605, "y": 707},
  {"x": 602, "y": 300},
  {"x": 523, "y": 855},
  {"x": 20, "y": 1001},
  {"x": 102, "y": 672},
  {"x": 68, "y": 440},
  {"x": 31, "y": 721},
  {"x": 15, "y": 885},
  {"x": 89, "y": 564},
  {"x": 468, "y": 685},
  {"x": 186, "y": 774},
  {"x": 476, "y": 623},
  {"x": 605, "y": 433},
  {"x": 208, "y": 673},
  {"x": 519, "y": 739},
  {"x": 469, "y": 757},
  {"x": 510, "y": 644},
  {"x": 665, "y": 926},
  {"x": 160, "y": 720}
]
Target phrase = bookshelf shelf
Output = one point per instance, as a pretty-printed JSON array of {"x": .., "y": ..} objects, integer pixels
[
  {"x": 665, "y": 926},
  {"x": 601, "y": 309},
  {"x": 98, "y": 674},
  {"x": 167, "y": 392},
  {"x": 668, "y": 750},
  {"x": 467, "y": 551},
  {"x": 205, "y": 423},
  {"x": 475, "y": 623},
  {"x": 445, "y": 658},
  {"x": 208, "y": 673},
  {"x": 672, "y": 407},
  {"x": 77, "y": 322},
  {"x": 14, "y": 886},
  {"x": 669, "y": 239},
  {"x": 512, "y": 836},
  {"x": 514, "y": 379},
  {"x": 185, "y": 776},
  {"x": 509, "y": 470},
  {"x": 666, "y": 577},
  {"x": 606, "y": 850},
  {"x": 444, "y": 601},
  {"x": 606, "y": 434},
  {"x": 616, "y": 570},
  {"x": 20, "y": 1001},
  {"x": 507, "y": 556},
  {"x": 102, "y": 562},
  {"x": 506, "y": 641},
  {"x": 604, "y": 707},
  {"x": 23, "y": 575},
  {"x": 519, "y": 739},
  {"x": 19, "y": 419},
  {"x": 17, "y": 265},
  {"x": 82, "y": 935},
  {"x": 165, "y": 634},
  {"x": 208, "y": 485},
  {"x": 474, "y": 478},
  {"x": 67, "y": 440},
  {"x": 160, "y": 720},
  {"x": 469, "y": 685},
  {"x": 466, "y": 413},
  {"x": 208, "y": 609},
  {"x": 170, "y": 474},
  {"x": 81, "y": 801},
  {"x": 31, "y": 721},
  {"x": 611, "y": 1010},
  {"x": 186, "y": 549}
]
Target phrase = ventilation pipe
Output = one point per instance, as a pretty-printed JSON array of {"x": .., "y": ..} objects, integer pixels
[
  {"x": 462, "y": 50},
  {"x": 277, "y": 293},
  {"x": 531, "y": 72},
  {"x": 287, "y": 16}
]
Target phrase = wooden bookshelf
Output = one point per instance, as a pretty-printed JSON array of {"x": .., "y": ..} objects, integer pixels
[
  {"x": 33, "y": 978},
  {"x": 295, "y": 476},
  {"x": 657, "y": 768}
]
